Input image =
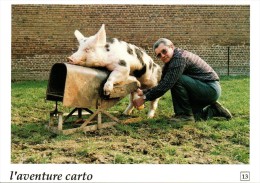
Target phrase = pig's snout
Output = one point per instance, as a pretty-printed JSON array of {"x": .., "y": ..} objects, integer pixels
[{"x": 70, "y": 60}]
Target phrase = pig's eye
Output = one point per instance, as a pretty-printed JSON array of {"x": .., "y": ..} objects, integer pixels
[{"x": 87, "y": 49}]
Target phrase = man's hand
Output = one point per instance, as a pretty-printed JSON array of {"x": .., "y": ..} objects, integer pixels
[{"x": 138, "y": 102}]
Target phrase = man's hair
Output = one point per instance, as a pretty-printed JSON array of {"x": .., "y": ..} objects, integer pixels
[{"x": 165, "y": 41}]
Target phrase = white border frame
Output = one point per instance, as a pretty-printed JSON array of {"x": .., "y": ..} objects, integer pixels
[{"x": 132, "y": 173}]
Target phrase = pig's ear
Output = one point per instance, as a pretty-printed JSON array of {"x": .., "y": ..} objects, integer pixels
[
  {"x": 100, "y": 37},
  {"x": 78, "y": 35}
]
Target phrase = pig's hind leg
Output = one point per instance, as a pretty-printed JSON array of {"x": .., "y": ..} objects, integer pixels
[
  {"x": 153, "y": 107},
  {"x": 130, "y": 107}
]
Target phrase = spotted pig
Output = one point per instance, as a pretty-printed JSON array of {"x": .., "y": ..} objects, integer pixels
[{"x": 124, "y": 60}]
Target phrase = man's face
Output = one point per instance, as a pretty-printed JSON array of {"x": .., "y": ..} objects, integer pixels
[{"x": 164, "y": 52}]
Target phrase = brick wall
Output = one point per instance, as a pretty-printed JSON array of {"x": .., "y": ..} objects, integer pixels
[{"x": 43, "y": 34}]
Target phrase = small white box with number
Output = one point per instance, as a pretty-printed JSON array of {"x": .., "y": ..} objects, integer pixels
[{"x": 245, "y": 176}]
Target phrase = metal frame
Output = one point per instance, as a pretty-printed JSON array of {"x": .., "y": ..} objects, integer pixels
[{"x": 56, "y": 115}]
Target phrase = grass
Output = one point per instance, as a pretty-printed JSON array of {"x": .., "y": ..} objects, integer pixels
[{"x": 155, "y": 140}]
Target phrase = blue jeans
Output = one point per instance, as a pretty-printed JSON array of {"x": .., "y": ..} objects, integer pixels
[{"x": 190, "y": 96}]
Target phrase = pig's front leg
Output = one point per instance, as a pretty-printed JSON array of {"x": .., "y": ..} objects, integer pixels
[{"x": 118, "y": 75}]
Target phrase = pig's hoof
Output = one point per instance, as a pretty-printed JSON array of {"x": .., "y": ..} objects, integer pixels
[
  {"x": 108, "y": 88},
  {"x": 127, "y": 113},
  {"x": 106, "y": 93},
  {"x": 138, "y": 84},
  {"x": 151, "y": 114}
]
